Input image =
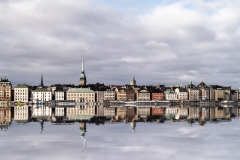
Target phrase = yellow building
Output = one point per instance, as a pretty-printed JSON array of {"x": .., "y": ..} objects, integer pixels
[
  {"x": 121, "y": 94},
  {"x": 81, "y": 95},
  {"x": 5, "y": 89}
]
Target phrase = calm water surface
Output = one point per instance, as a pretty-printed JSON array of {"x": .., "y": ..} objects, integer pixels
[{"x": 174, "y": 139}]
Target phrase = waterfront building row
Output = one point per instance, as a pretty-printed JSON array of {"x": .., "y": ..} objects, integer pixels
[{"x": 202, "y": 92}]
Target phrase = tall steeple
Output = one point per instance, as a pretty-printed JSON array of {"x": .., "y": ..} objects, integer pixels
[
  {"x": 42, "y": 81},
  {"x": 82, "y": 76}
]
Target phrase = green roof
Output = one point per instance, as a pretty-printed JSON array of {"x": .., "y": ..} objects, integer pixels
[
  {"x": 21, "y": 86},
  {"x": 80, "y": 90},
  {"x": 41, "y": 90}
]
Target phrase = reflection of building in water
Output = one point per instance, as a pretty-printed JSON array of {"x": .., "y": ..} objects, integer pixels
[
  {"x": 41, "y": 112},
  {"x": 5, "y": 117},
  {"x": 222, "y": 113},
  {"x": 81, "y": 95},
  {"x": 212, "y": 113},
  {"x": 121, "y": 113},
  {"x": 204, "y": 113},
  {"x": 133, "y": 126},
  {"x": 59, "y": 111},
  {"x": 109, "y": 112},
  {"x": 143, "y": 112},
  {"x": 193, "y": 113},
  {"x": 83, "y": 130},
  {"x": 130, "y": 114},
  {"x": 157, "y": 111},
  {"x": 171, "y": 112},
  {"x": 100, "y": 110},
  {"x": 21, "y": 114},
  {"x": 81, "y": 112},
  {"x": 182, "y": 113}
]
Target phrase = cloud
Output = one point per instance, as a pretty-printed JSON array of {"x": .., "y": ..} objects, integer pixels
[{"x": 166, "y": 41}]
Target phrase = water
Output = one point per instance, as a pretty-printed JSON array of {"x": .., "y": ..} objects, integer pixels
[{"x": 46, "y": 137}]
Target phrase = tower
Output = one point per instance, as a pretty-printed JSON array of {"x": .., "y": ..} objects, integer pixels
[
  {"x": 82, "y": 76},
  {"x": 133, "y": 81},
  {"x": 42, "y": 81}
]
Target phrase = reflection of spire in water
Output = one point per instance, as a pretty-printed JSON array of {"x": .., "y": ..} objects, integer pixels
[
  {"x": 41, "y": 123},
  {"x": 82, "y": 127},
  {"x": 133, "y": 125}
]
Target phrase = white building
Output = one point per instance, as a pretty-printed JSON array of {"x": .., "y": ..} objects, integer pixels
[
  {"x": 170, "y": 95},
  {"x": 109, "y": 95},
  {"x": 21, "y": 113},
  {"x": 59, "y": 111},
  {"x": 21, "y": 93},
  {"x": 43, "y": 111},
  {"x": 41, "y": 95},
  {"x": 59, "y": 95},
  {"x": 182, "y": 93}
]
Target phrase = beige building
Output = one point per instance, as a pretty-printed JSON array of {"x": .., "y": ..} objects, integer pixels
[
  {"x": 109, "y": 95},
  {"x": 121, "y": 94},
  {"x": 81, "y": 112},
  {"x": 193, "y": 92},
  {"x": 100, "y": 95},
  {"x": 5, "y": 90},
  {"x": 81, "y": 95},
  {"x": 5, "y": 117},
  {"x": 21, "y": 93},
  {"x": 143, "y": 95},
  {"x": 219, "y": 94}
]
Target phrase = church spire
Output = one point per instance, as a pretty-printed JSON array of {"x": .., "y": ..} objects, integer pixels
[
  {"x": 83, "y": 64},
  {"x": 42, "y": 81},
  {"x": 82, "y": 76}
]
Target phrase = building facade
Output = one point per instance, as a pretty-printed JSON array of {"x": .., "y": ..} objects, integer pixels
[
  {"x": 81, "y": 95},
  {"x": 109, "y": 95},
  {"x": 21, "y": 93},
  {"x": 5, "y": 90},
  {"x": 60, "y": 95},
  {"x": 41, "y": 95}
]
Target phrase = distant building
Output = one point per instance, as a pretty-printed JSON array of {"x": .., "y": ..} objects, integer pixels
[
  {"x": 100, "y": 95},
  {"x": 5, "y": 90},
  {"x": 109, "y": 95},
  {"x": 21, "y": 93},
  {"x": 157, "y": 96},
  {"x": 41, "y": 95},
  {"x": 59, "y": 95},
  {"x": 143, "y": 95},
  {"x": 182, "y": 93},
  {"x": 133, "y": 81},
  {"x": 121, "y": 94},
  {"x": 81, "y": 95},
  {"x": 170, "y": 94},
  {"x": 193, "y": 92}
]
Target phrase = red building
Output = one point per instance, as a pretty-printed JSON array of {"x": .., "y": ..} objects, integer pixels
[{"x": 157, "y": 96}]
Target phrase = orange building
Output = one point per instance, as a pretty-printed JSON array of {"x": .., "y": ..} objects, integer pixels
[{"x": 157, "y": 96}]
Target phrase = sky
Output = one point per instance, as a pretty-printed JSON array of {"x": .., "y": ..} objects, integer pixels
[
  {"x": 213, "y": 141},
  {"x": 159, "y": 41}
]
